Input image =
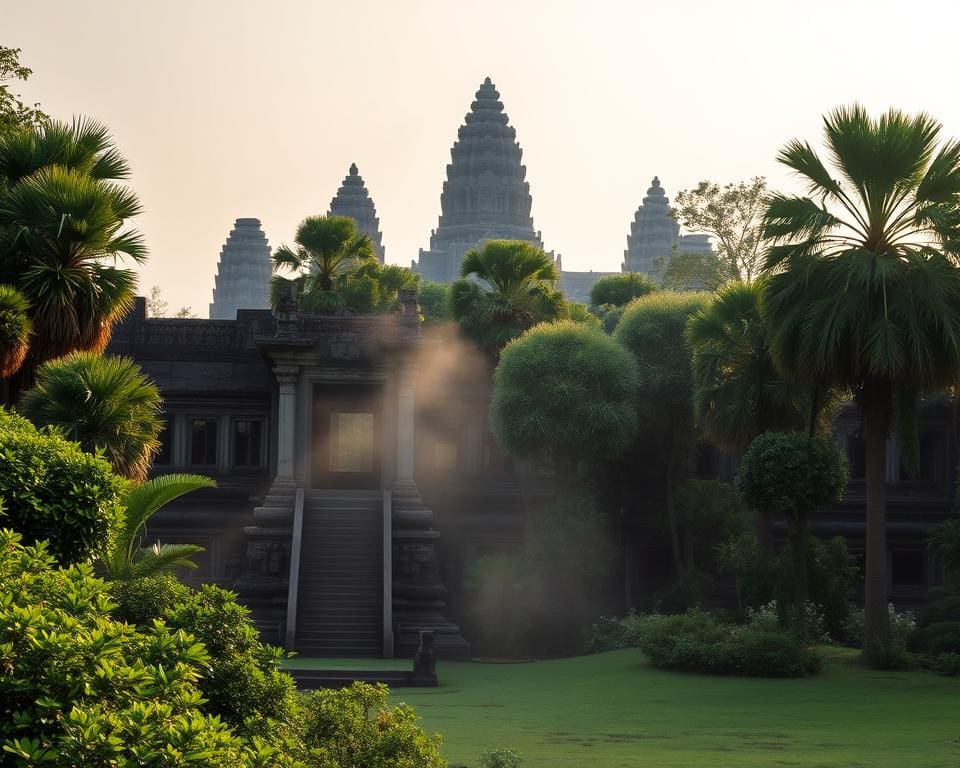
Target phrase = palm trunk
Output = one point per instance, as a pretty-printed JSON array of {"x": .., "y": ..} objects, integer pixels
[
  {"x": 876, "y": 427},
  {"x": 799, "y": 541}
]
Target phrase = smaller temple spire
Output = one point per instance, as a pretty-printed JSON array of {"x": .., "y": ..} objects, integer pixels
[
  {"x": 353, "y": 200},
  {"x": 243, "y": 273}
]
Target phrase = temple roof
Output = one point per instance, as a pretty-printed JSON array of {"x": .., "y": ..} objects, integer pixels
[
  {"x": 486, "y": 194},
  {"x": 654, "y": 233},
  {"x": 352, "y": 199}
]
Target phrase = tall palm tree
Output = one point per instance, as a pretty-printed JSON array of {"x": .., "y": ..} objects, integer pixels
[
  {"x": 15, "y": 330},
  {"x": 507, "y": 286},
  {"x": 126, "y": 559},
  {"x": 328, "y": 251},
  {"x": 63, "y": 217},
  {"x": 863, "y": 287},
  {"x": 104, "y": 404}
]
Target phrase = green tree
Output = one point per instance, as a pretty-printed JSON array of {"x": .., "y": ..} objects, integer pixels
[
  {"x": 14, "y": 114},
  {"x": 738, "y": 392},
  {"x": 653, "y": 330},
  {"x": 793, "y": 474},
  {"x": 620, "y": 290},
  {"x": 125, "y": 559},
  {"x": 578, "y": 312},
  {"x": 567, "y": 390},
  {"x": 733, "y": 216},
  {"x": 104, "y": 404},
  {"x": 864, "y": 286},
  {"x": 434, "y": 301},
  {"x": 507, "y": 286},
  {"x": 15, "y": 330},
  {"x": 326, "y": 263},
  {"x": 691, "y": 271},
  {"x": 63, "y": 229}
]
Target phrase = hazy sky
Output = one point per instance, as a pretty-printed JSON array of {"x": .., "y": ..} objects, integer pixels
[{"x": 238, "y": 108}]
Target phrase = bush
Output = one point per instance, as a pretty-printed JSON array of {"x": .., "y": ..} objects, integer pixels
[
  {"x": 698, "y": 642},
  {"x": 613, "y": 633},
  {"x": 902, "y": 627},
  {"x": 891, "y": 655},
  {"x": 500, "y": 758},
  {"x": 81, "y": 689},
  {"x": 52, "y": 491},
  {"x": 356, "y": 728},
  {"x": 947, "y": 664},
  {"x": 244, "y": 684}
]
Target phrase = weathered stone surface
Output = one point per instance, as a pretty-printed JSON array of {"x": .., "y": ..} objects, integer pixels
[
  {"x": 243, "y": 274},
  {"x": 353, "y": 200},
  {"x": 486, "y": 195}
]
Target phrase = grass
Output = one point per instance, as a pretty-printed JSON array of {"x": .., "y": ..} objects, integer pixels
[{"x": 611, "y": 710}]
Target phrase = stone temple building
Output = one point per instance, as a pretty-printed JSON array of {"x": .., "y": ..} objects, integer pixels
[
  {"x": 352, "y": 199},
  {"x": 486, "y": 195},
  {"x": 243, "y": 273},
  {"x": 655, "y": 233}
]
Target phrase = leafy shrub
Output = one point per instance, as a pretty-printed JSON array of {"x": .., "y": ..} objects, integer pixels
[
  {"x": 244, "y": 684},
  {"x": 775, "y": 616},
  {"x": 947, "y": 664},
  {"x": 52, "y": 491},
  {"x": 613, "y": 633},
  {"x": 698, "y": 642},
  {"x": 356, "y": 728},
  {"x": 891, "y": 655},
  {"x": 938, "y": 638},
  {"x": 902, "y": 626},
  {"x": 81, "y": 689},
  {"x": 500, "y": 758}
]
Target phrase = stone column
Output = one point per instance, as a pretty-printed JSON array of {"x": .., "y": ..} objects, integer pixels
[
  {"x": 406, "y": 404},
  {"x": 286, "y": 419}
]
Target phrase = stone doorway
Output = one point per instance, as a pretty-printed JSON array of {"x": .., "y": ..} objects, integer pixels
[{"x": 347, "y": 440}]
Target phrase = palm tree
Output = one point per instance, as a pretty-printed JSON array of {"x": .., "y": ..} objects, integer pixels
[
  {"x": 507, "y": 286},
  {"x": 126, "y": 559},
  {"x": 738, "y": 392},
  {"x": 329, "y": 251},
  {"x": 863, "y": 287},
  {"x": 62, "y": 232},
  {"x": 104, "y": 404},
  {"x": 15, "y": 330}
]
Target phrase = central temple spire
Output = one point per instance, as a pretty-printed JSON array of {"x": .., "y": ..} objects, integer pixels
[{"x": 486, "y": 195}]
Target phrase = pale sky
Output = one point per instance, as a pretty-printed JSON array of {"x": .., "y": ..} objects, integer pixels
[{"x": 234, "y": 108}]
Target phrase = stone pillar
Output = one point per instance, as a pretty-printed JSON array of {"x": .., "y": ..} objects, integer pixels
[
  {"x": 286, "y": 419},
  {"x": 406, "y": 405}
]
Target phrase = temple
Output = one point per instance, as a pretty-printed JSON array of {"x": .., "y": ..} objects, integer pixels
[
  {"x": 655, "y": 234},
  {"x": 486, "y": 195},
  {"x": 243, "y": 274},
  {"x": 353, "y": 200}
]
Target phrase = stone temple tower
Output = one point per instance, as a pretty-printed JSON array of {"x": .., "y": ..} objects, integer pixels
[
  {"x": 486, "y": 195},
  {"x": 243, "y": 274},
  {"x": 653, "y": 233},
  {"x": 353, "y": 200}
]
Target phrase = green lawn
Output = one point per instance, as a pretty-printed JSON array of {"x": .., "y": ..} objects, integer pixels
[{"x": 613, "y": 711}]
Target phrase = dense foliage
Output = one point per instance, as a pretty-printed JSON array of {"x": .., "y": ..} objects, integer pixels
[
  {"x": 14, "y": 114},
  {"x": 53, "y": 491},
  {"x": 565, "y": 389},
  {"x": 699, "y": 642},
  {"x": 64, "y": 216},
  {"x": 507, "y": 286},
  {"x": 434, "y": 301},
  {"x": 104, "y": 403},
  {"x": 620, "y": 290},
  {"x": 82, "y": 689},
  {"x": 15, "y": 330}
]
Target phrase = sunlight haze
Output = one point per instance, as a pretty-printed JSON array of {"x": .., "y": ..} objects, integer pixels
[{"x": 255, "y": 109}]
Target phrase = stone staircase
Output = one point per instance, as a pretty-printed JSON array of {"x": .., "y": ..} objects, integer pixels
[{"x": 340, "y": 593}]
